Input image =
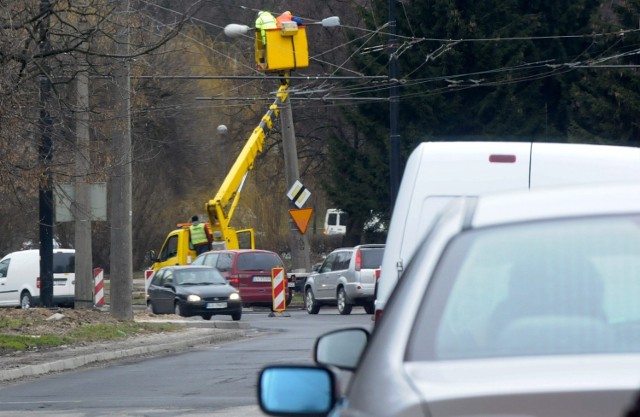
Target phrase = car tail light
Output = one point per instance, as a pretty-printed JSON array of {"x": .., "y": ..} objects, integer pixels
[
  {"x": 377, "y": 274},
  {"x": 234, "y": 280},
  {"x": 378, "y": 315},
  {"x": 358, "y": 260},
  {"x": 38, "y": 283}
]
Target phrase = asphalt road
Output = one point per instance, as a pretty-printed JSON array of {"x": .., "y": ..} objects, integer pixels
[{"x": 218, "y": 380}]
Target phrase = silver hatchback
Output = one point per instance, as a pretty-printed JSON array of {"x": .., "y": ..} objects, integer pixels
[
  {"x": 513, "y": 305},
  {"x": 346, "y": 278}
]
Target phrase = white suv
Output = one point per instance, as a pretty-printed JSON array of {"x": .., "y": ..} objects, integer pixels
[{"x": 346, "y": 278}]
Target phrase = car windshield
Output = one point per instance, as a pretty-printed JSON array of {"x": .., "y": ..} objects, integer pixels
[
  {"x": 199, "y": 277},
  {"x": 544, "y": 288}
]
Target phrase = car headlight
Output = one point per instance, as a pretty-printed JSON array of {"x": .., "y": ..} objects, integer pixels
[
  {"x": 234, "y": 296},
  {"x": 192, "y": 298}
]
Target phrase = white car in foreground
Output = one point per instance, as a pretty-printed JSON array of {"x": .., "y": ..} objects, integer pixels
[{"x": 519, "y": 304}]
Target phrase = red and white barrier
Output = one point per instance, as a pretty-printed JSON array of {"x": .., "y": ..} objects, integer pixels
[
  {"x": 98, "y": 283},
  {"x": 279, "y": 289},
  {"x": 148, "y": 273}
]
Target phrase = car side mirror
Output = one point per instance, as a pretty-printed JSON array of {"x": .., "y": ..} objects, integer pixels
[
  {"x": 341, "y": 348},
  {"x": 152, "y": 256},
  {"x": 314, "y": 389}
]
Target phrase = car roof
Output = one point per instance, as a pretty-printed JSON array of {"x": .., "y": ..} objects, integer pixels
[
  {"x": 550, "y": 203},
  {"x": 181, "y": 267},
  {"x": 30, "y": 251},
  {"x": 364, "y": 245},
  {"x": 343, "y": 248},
  {"x": 241, "y": 251}
]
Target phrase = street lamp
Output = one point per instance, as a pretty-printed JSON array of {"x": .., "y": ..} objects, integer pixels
[
  {"x": 234, "y": 30},
  {"x": 222, "y": 133}
]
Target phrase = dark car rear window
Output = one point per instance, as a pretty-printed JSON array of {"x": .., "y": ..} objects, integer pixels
[
  {"x": 372, "y": 258},
  {"x": 258, "y": 262},
  {"x": 64, "y": 263}
]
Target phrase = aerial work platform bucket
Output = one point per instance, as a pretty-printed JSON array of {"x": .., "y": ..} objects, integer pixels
[{"x": 286, "y": 48}]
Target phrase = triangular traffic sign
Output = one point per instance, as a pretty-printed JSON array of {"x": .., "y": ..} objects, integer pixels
[{"x": 301, "y": 218}]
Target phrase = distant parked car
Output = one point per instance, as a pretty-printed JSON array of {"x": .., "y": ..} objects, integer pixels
[
  {"x": 20, "y": 278},
  {"x": 347, "y": 277},
  {"x": 522, "y": 304},
  {"x": 249, "y": 270},
  {"x": 193, "y": 291}
]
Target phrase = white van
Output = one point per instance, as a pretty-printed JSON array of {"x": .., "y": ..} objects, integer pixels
[
  {"x": 335, "y": 222},
  {"x": 437, "y": 172},
  {"x": 20, "y": 278}
]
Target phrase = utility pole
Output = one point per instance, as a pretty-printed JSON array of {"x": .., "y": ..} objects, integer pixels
[
  {"x": 394, "y": 103},
  {"x": 45, "y": 193},
  {"x": 121, "y": 274},
  {"x": 298, "y": 242},
  {"x": 82, "y": 205}
]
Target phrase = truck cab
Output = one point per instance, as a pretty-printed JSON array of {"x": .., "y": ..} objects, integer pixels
[{"x": 176, "y": 250}]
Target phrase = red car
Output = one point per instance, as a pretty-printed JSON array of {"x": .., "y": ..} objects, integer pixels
[{"x": 249, "y": 270}]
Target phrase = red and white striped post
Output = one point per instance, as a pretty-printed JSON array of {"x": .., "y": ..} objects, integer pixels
[
  {"x": 98, "y": 283},
  {"x": 148, "y": 273},
  {"x": 278, "y": 289}
]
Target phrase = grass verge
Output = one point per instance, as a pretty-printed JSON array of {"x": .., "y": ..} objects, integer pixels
[{"x": 27, "y": 330}]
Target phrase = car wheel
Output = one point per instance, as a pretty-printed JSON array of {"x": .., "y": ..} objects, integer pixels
[
  {"x": 178, "y": 310},
  {"x": 344, "y": 307},
  {"x": 236, "y": 316},
  {"x": 370, "y": 307},
  {"x": 151, "y": 308},
  {"x": 207, "y": 316},
  {"x": 310, "y": 302},
  {"x": 25, "y": 300}
]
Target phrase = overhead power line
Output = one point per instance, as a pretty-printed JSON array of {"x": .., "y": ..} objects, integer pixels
[{"x": 258, "y": 77}]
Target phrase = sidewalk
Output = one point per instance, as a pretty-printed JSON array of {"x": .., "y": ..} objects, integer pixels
[{"x": 195, "y": 333}]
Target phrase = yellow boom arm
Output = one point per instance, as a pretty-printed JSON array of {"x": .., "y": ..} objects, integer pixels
[{"x": 220, "y": 209}]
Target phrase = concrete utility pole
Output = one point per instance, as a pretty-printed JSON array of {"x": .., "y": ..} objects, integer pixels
[
  {"x": 298, "y": 242},
  {"x": 45, "y": 194},
  {"x": 82, "y": 204},
  {"x": 121, "y": 274}
]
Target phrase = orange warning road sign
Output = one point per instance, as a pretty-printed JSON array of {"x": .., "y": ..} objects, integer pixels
[{"x": 301, "y": 218}]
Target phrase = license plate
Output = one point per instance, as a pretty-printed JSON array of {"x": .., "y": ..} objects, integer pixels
[
  {"x": 292, "y": 284},
  {"x": 261, "y": 279},
  {"x": 216, "y": 305}
]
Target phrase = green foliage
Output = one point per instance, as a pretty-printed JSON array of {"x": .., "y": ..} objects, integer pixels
[
  {"x": 358, "y": 168},
  {"x": 109, "y": 331},
  {"x": 31, "y": 332},
  {"x": 19, "y": 342},
  {"x": 9, "y": 323},
  {"x": 491, "y": 70}
]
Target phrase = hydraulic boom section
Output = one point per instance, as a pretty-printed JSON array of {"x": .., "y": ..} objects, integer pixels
[{"x": 220, "y": 209}]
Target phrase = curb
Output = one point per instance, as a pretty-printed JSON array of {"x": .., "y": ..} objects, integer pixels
[{"x": 165, "y": 345}]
